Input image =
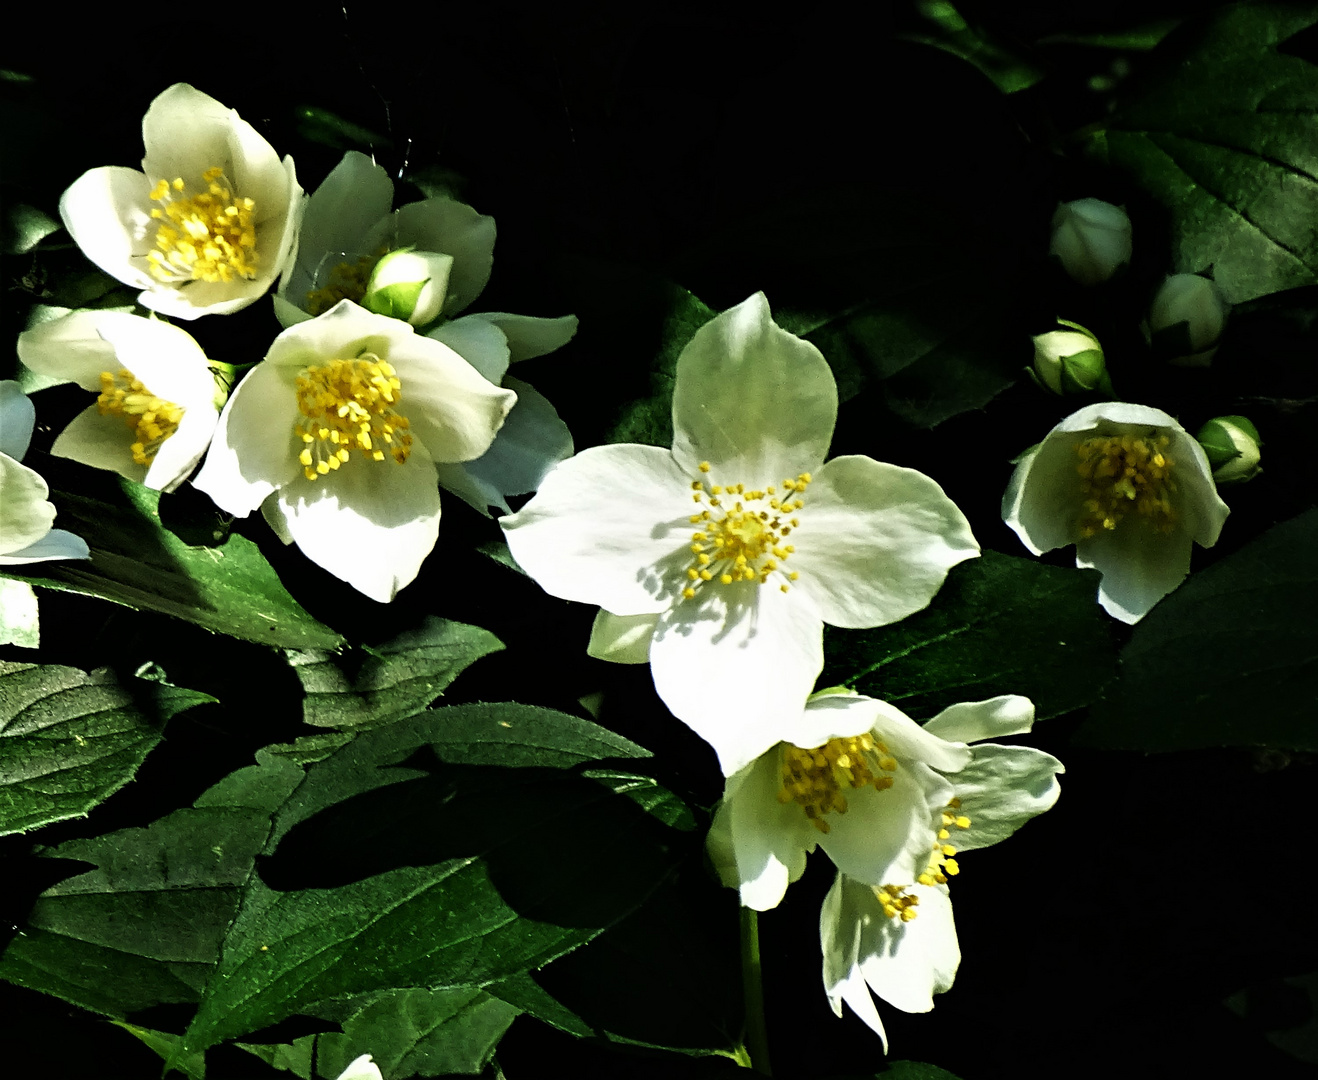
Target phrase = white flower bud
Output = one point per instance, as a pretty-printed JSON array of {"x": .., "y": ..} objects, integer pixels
[
  {"x": 1231, "y": 444},
  {"x": 1186, "y": 319},
  {"x": 1092, "y": 239},
  {"x": 1069, "y": 361},
  {"x": 409, "y": 285}
]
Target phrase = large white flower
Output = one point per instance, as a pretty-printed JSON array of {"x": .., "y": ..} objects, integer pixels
[
  {"x": 206, "y": 226},
  {"x": 361, "y": 1068},
  {"x": 155, "y": 410},
  {"x": 721, "y": 559},
  {"x": 1131, "y": 489},
  {"x": 335, "y": 435},
  {"x": 26, "y": 535},
  {"x": 436, "y": 255},
  {"x": 897, "y": 937}
]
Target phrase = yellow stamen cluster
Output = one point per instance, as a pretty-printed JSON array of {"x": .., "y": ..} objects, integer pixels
[
  {"x": 347, "y": 281},
  {"x": 151, "y": 419},
  {"x": 350, "y": 405},
  {"x": 1124, "y": 473},
  {"x": 740, "y": 532},
  {"x": 941, "y": 864},
  {"x": 896, "y": 902},
  {"x": 210, "y": 236},
  {"x": 816, "y": 779}
]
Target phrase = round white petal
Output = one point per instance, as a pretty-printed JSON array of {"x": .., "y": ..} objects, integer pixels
[
  {"x": 622, "y": 639},
  {"x": 1001, "y": 789},
  {"x": 452, "y": 409},
  {"x": 529, "y": 336},
  {"x": 1139, "y": 565},
  {"x": 27, "y": 515},
  {"x": 56, "y": 544},
  {"x": 876, "y": 541},
  {"x": 770, "y": 839},
  {"x": 735, "y": 662},
  {"x": 369, "y": 523},
  {"x": 17, "y": 418},
  {"x": 361, "y": 1068},
  {"x": 107, "y": 211},
  {"x": 971, "y": 721},
  {"x": 906, "y": 963},
  {"x": 477, "y": 341},
  {"x": 756, "y": 401},
  {"x": 610, "y": 527}
]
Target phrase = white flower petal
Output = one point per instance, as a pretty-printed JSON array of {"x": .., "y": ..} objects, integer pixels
[
  {"x": 56, "y": 544},
  {"x": 757, "y": 402},
  {"x": 477, "y": 341},
  {"x": 735, "y": 663},
  {"x": 372, "y": 524},
  {"x": 876, "y": 541},
  {"x": 529, "y": 336},
  {"x": 906, "y": 963},
  {"x": 361, "y": 1068},
  {"x": 971, "y": 721},
  {"x": 27, "y": 515},
  {"x": 17, "y": 418},
  {"x": 622, "y": 639},
  {"x": 1049, "y": 518},
  {"x": 1139, "y": 565},
  {"x": 1001, "y": 789},
  {"x": 101, "y": 442},
  {"x": 842, "y": 921},
  {"x": 453, "y": 410},
  {"x": 608, "y": 527},
  {"x": 532, "y": 441},
  {"x": 107, "y": 211},
  {"x": 70, "y": 348},
  {"x": 770, "y": 839}
]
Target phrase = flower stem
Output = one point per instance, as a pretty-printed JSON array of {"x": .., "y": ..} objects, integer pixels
[{"x": 757, "y": 1034}]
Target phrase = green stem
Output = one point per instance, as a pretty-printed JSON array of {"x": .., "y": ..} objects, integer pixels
[{"x": 757, "y": 1034}]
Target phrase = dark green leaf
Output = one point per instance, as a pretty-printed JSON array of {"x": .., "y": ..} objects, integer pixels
[
  {"x": 391, "y": 680},
  {"x": 138, "y": 563},
  {"x": 164, "y": 1043},
  {"x": 1229, "y": 659},
  {"x": 69, "y": 740},
  {"x": 999, "y": 625},
  {"x": 1225, "y": 135},
  {"x": 915, "y": 1070}
]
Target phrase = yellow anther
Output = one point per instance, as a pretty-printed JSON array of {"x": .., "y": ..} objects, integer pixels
[
  {"x": 152, "y": 420},
  {"x": 817, "y": 779},
  {"x": 704, "y": 466},
  {"x": 209, "y": 236},
  {"x": 349, "y": 405},
  {"x": 1124, "y": 474}
]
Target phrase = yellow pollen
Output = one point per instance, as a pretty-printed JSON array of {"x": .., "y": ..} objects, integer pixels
[
  {"x": 817, "y": 779},
  {"x": 743, "y": 542},
  {"x": 209, "y": 236},
  {"x": 941, "y": 864},
  {"x": 896, "y": 902},
  {"x": 347, "y": 281},
  {"x": 350, "y": 405},
  {"x": 152, "y": 420},
  {"x": 1121, "y": 474}
]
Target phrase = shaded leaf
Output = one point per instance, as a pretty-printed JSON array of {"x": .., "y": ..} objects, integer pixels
[
  {"x": 163, "y": 1043},
  {"x": 69, "y": 740},
  {"x": 1229, "y": 659},
  {"x": 999, "y": 625}
]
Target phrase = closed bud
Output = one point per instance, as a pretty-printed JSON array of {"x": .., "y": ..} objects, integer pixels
[
  {"x": 1092, "y": 239},
  {"x": 1070, "y": 361},
  {"x": 1186, "y": 320},
  {"x": 1231, "y": 444},
  {"x": 409, "y": 285}
]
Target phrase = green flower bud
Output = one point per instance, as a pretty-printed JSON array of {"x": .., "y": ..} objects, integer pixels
[
  {"x": 409, "y": 285},
  {"x": 1069, "y": 361},
  {"x": 1186, "y": 320},
  {"x": 1092, "y": 239},
  {"x": 1231, "y": 444}
]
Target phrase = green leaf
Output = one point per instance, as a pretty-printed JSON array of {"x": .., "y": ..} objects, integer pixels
[
  {"x": 1229, "y": 659},
  {"x": 411, "y": 1032},
  {"x": 915, "y": 1070},
  {"x": 164, "y": 1043},
  {"x": 138, "y": 563},
  {"x": 391, "y": 680},
  {"x": 999, "y": 625},
  {"x": 19, "y": 617},
  {"x": 69, "y": 740},
  {"x": 1225, "y": 135}
]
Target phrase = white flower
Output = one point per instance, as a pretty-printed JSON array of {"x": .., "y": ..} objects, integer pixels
[
  {"x": 155, "y": 411},
  {"x": 26, "y": 535},
  {"x": 870, "y": 786},
  {"x": 362, "y": 1068},
  {"x": 1131, "y": 489},
  {"x": 1186, "y": 319},
  {"x": 1092, "y": 238},
  {"x": 723, "y": 557},
  {"x": 207, "y": 225},
  {"x": 430, "y": 260},
  {"x": 898, "y": 938},
  {"x": 335, "y": 435}
]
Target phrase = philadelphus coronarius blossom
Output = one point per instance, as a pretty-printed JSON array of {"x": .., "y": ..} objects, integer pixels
[
  {"x": 155, "y": 409},
  {"x": 335, "y": 435},
  {"x": 362, "y": 1068},
  {"x": 426, "y": 263},
  {"x": 897, "y": 937},
  {"x": 206, "y": 226},
  {"x": 721, "y": 559},
  {"x": 26, "y": 535},
  {"x": 1131, "y": 489}
]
